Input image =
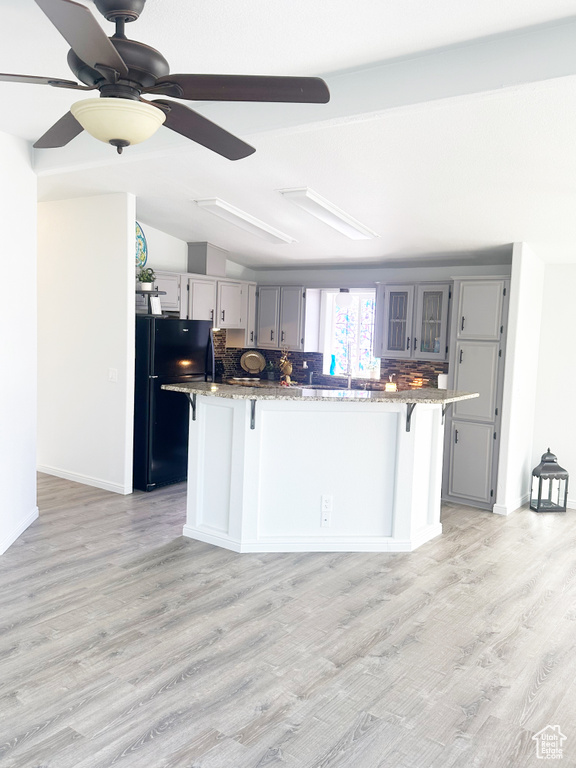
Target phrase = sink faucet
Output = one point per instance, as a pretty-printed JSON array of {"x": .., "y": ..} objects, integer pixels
[{"x": 310, "y": 377}]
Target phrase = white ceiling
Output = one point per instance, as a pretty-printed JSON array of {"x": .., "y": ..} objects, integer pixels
[{"x": 451, "y": 128}]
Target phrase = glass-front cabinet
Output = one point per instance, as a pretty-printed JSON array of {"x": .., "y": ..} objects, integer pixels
[
  {"x": 412, "y": 321},
  {"x": 431, "y": 323},
  {"x": 398, "y": 310}
]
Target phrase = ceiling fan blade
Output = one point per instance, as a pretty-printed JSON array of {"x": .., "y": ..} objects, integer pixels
[
  {"x": 308, "y": 90},
  {"x": 62, "y": 132},
  {"x": 57, "y": 82},
  {"x": 83, "y": 34},
  {"x": 185, "y": 121}
]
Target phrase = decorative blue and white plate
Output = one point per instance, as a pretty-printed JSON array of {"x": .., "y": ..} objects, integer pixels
[{"x": 141, "y": 247}]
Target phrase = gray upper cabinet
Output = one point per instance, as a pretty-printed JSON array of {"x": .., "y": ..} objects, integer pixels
[
  {"x": 250, "y": 339},
  {"x": 480, "y": 310},
  {"x": 281, "y": 317},
  {"x": 201, "y": 299},
  {"x": 170, "y": 283},
  {"x": 412, "y": 321},
  {"x": 230, "y": 305},
  {"x": 268, "y": 316},
  {"x": 291, "y": 316}
]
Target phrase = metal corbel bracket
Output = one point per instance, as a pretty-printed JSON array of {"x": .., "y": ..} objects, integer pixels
[
  {"x": 192, "y": 399},
  {"x": 252, "y": 414},
  {"x": 409, "y": 408}
]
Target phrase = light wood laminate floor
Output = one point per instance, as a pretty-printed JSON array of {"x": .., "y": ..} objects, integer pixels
[{"x": 124, "y": 644}]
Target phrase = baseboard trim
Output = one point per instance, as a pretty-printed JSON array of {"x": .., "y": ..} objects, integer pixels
[
  {"x": 507, "y": 509},
  {"x": 309, "y": 544},
  {"x": 7, "y": 541},
  {"x": 95, "y": 482}
]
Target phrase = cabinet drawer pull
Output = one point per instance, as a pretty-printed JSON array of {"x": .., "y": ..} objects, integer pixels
[
  {"x": 455, "y": 435},
  {"x": 461, "y": 354},
  {"x": 462, "y": 323}
]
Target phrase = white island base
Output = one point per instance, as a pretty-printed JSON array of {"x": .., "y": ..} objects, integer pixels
[{"x": 262, "y": 471}]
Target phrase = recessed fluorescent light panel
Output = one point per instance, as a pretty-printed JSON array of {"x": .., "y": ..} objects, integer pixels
[
  {"x": 244, "y": 220},
  {"x": 330, "y": 214}
]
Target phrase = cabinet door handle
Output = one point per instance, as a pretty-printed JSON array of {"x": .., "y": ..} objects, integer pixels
[
  {"x": 462, "y": 323},
  {"x": 455, "y": 435},
  {"x": 408, "y": 343},
  {"x": 223, "y": 314},
  {"x": 212, "y": 315},
  {"x": 282, "y": 336},
  {"x": 271, "y": 335},
  {"x": 251, "y": 335},
  {"x": 415, "y": 340},
  {"x": 461, "y": 354}
]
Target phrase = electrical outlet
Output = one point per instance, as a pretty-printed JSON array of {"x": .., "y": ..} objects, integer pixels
[{"x": 326, "y": 510}]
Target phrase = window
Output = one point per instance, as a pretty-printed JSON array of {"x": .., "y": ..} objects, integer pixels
[{"x": 348, "y": 333}]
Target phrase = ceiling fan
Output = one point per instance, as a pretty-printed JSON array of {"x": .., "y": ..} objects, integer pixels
[{"x": 122, "y": 70}]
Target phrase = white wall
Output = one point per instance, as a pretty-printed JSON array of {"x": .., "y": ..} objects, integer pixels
[
  {"x": 164, "y": 251},
  {"x": 17, "y": 340},
  {"x": 519, "y": 395},
  {"x": 170, "y": 254},
  {"x": 555, "y": 423},
  {"x": 86, "y": 328}
]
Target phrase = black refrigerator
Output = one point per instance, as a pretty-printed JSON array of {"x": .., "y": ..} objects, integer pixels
[{"x": 167, "y": 351}]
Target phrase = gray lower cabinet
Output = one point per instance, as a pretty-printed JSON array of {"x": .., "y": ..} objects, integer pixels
[
  {"x": 472, "y": 435},
  {"x": 470, "y": 465}
]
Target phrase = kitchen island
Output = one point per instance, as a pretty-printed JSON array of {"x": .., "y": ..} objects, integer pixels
[{"x": 296, "y": 469}]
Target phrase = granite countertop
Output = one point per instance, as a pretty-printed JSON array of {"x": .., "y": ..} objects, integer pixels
[{"x": 243, "y": 392}]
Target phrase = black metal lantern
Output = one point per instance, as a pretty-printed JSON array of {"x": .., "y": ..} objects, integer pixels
[{"x": 549, "y": 486}]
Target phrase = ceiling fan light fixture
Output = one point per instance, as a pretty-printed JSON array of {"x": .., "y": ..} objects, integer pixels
[
  {"x": 120, "y": 122},
  {"x": 244, "y": 220},
  {"x": 316, "y": 205}
]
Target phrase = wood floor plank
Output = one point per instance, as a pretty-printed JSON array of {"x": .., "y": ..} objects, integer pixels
[{"x": 124, "y": 644}]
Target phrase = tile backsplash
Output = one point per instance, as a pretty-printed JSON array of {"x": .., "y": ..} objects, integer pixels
[{"x": 404, "y": 371}]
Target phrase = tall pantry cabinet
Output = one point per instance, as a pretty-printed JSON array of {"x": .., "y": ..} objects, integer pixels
[{"x": 477, "y": 352}]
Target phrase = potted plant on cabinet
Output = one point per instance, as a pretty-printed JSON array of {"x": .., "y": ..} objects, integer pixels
[{"x": 145, "y": 278}]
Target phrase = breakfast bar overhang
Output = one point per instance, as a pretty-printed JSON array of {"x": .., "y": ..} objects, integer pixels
[{"x": 314, "y": 470}]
